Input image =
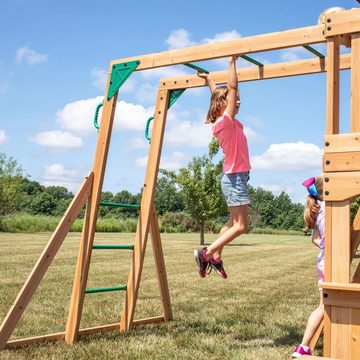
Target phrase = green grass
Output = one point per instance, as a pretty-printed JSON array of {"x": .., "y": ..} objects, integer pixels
[{"x": 259, "y": 312}]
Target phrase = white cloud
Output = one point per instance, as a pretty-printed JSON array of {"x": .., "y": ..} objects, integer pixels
[
  {"x": 3, "y": 137},
  {"x": 78, "y": 116},
  {"x": 224, "y": 36},
  {"x": 58, "y": 140},
  {"x": 289, "y": 156},
  {"x": 175, "y": 162},
  {"x": 179, "y": 38},
  {"x": 250, "y": 133},
  {"x": 294, "y": 54},
  {"x": 30, "y": 56},
  {"x": 99, "y": 77},
  {"x": 58, "y": 175},
  {"x": 141, "y": 162},
  {"x": 139, "y": 143},
  {"x": 277, "y": 189},
  {"x": 146, "y": 93},
  {"x": 188, "y": 133},
  {"x": 132, "y": 116}
]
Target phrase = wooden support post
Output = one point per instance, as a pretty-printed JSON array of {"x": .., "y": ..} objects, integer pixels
[
  {"x": 355, "y": 82},
  {"x": 333, "y": 78},
  {"x": 79, "y": 284},
  {"x": 44, "y": 261},
  {"x": 82, "y": 268},
  {"x": 160, "y": 266},
  {"x": 337, "y": 239},
  {"x": 146, "y": 208}
]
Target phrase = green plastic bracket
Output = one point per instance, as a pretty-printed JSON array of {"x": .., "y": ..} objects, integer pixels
[
  {"x": 96, "y": 124},
  {"x": 119, "y": 74},
  {"x": 98, "y": 290},
  {"x": 174, "y": 95},
  {"x": 109, "y": 203},
  {"x": 149, "y": 120},
  {"x": 248, "y": 58},
  {"x": 314, "y": 51}
]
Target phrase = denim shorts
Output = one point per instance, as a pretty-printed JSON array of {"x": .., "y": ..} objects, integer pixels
[{"x": 235, "y": 190}]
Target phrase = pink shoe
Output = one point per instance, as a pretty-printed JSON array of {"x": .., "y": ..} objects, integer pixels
[
  {"x": 218, "y": 266},
  {"x": 300, "y": 351}
]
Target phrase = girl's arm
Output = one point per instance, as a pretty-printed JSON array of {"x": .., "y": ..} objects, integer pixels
[
  {"x": 208, "y": 79},
  {"x": 316, "y": 238},
  {"x": 232, "y": 85}
]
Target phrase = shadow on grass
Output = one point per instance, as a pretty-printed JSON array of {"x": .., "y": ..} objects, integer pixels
[{"x": 293, "y": 336}]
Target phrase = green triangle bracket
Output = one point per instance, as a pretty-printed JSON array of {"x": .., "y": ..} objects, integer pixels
[
  {"x": 119, "y": 74},
  {"x": 174, "y": 95}
]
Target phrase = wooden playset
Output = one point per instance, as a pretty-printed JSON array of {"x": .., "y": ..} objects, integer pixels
[{"x": 341, "y": 167}]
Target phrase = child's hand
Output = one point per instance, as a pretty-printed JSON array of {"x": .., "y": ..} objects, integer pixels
[
  {"x": 234, "y": 58},
  {"x": 203, "y": 75}
]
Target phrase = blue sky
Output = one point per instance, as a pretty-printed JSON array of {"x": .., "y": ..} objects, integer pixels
[{"x": 53, "y": 63}]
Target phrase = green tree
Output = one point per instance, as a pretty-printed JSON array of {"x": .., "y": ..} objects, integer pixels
[
  {"x": 200, "y": 185},
  {"x": 11, "y": 175},
  {"x": 44, "y": 204},
  {"x": 168, "y": 198}
]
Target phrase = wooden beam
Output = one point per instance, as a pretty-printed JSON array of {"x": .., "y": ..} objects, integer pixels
[
  {"x": 146, "y": 209},
  {"x": 314, "y": 340},
  {"x": 343, "y": 22},
  {"x": 344, "y": 161},
  {"x": 355, "y": 83},
  {"x": 333, "y": 86},
  {"x": 340, "y": 186},
  {"x": 44, "y": 261},
  {"x": 341, "y": 143},
  {"x": 272, "y": 41},
  {"x": 344, "y": 296},
  {"x": 252, "y": 73},
  {"x": 15, "y": 344}
]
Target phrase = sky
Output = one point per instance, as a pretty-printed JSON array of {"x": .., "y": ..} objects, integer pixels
[{"x": 53, "y": 66}]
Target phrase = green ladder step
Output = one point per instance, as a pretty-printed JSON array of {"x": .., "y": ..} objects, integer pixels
[
  {"x": 120, "y": 247},
  {"x": 98, "y": 290},
  {"x": 110, "y": 203}
]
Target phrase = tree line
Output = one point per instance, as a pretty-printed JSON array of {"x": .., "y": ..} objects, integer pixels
[{"x": 189, "y": 200}]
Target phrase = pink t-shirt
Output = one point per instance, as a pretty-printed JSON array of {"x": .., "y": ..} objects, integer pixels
[{"x": 231, "y": 137}]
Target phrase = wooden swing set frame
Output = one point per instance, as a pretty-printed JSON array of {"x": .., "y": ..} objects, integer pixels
[{"x": 341, "y": 167}]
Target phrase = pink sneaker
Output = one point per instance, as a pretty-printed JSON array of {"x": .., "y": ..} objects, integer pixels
[
  {"x": 300, "y": 351},
  {"x": 218, "y": 266}
]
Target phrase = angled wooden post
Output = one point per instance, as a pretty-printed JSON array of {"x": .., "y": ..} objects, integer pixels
[
  {"x": 79, "y": 284},
  {"x": 44, "y": 261},
  {"x": 160, "y": 266},
  {"x": 82, "y": 267},
  {"x": 146, "y": 209}
]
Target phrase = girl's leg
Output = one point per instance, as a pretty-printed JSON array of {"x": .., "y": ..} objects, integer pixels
[
  {"x": 313, "y": 323},
  {"x": 239, "y": 217},
  {"x": 227, "y": 226}
]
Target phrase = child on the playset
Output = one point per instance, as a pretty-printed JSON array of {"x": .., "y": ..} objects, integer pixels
[
  {"x": 314, "y": 216},
  {"x": 224, "y": 105}
]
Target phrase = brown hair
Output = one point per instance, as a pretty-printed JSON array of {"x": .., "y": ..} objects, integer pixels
[
  {"x": 312, "y": 208},
  {"x": 217, "y": 103}
]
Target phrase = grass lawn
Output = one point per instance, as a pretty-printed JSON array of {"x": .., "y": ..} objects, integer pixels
[{"x": 259, "y": 312}]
